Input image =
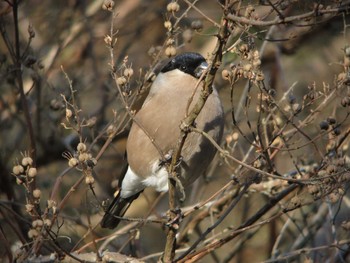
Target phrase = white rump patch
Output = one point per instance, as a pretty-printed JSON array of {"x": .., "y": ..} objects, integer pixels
[
  {"x": 132, "y": 183},
  {"x": 158, "y": 179}
]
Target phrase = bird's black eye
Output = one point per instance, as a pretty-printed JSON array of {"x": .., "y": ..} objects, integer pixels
[{"x": 183, "y": 67}]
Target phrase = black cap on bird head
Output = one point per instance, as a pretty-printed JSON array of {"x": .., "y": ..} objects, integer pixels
[{"x": 190, "y": 63}]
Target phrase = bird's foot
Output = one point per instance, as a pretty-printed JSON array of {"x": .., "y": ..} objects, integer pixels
[
  {"x": 167, "y": 159},
  {"x": 175, "y": 218}
]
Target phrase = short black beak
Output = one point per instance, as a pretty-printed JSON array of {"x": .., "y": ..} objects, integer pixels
[{"x": 200, "y": 69}]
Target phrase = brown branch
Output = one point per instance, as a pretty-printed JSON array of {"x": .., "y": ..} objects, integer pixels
[
  {"x": 280, "y": 20},
  {"x": 290, "y": 255},
  {"x": 222, "y": 36},
  {"x": 227, "y": 155},
  {"x": 216, "y": 244},
  {"x": 218, "y": 222},
  {"x": 18, "y": 69}
]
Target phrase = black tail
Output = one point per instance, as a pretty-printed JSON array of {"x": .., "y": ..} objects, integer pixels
[{"x": 116, "y": 210}]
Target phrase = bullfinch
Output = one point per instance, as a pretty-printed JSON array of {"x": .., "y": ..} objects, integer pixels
[{"x": 155, "y": 132}]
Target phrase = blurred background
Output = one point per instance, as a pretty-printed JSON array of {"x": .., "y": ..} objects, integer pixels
[{"x": 304, "y": 67}]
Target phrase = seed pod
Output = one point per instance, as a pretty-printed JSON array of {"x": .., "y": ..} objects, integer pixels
[
  {"x": 128, "y": 72},
  {"x": 32, "y": 233},
  {"x": 89, "y": 179},
  {"x": 37, "y": 193},
  {"x": 167, "y": 25},
  {"x": 170, "y": 51},
  {"x": 69, "y": 113},
  {"x": 81, "y": 147},
  {"x": 73, "y": 162},
  {"x": 197, "y": 25},
  {"x": 226, "y": 74},
  {"x": 108, "y": 5},
  {"x": 27, "y": 161},
  {"x": 331, "y": 120},
  {"x": 336, "y": 131},
  {"x": 173, "y": 7},
  {"x": 32, "y": 172},
  {"x": 18, "y": 169},
  {"x": 324, "y": 125},
  {"x": 121, "y": 81}
]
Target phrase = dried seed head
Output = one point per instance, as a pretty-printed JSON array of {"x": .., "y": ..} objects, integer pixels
[
  {"x": 32, "y": 233},
  {"x": 256, "y": 63},
  {"x": 17, "y": 169},
  {"x": 256, "y": 54},
  {"x": 128, "y": 72},
  {"x": 121, "y": 81},
  {"x": 83, "y": 157},
  {"x": 89, "y": 179},
  {"x": 170, "y": 51},
  {"x": 29, "y": 208},
  {"x": 296, "y": 107},
  {"x": 37, "y": 193},
  {"x": 260, "y": 76},
  {"x": 235, "y": 136},
  {"x": 257, "y": 163},
  {"x": 108, "y": 40},
  {"x": 91, "y": 122},
  {"x": 73, "y": 162},
  {"x": 170, "y": 42},
  {"x": 228, "y": 139},
  {"x": 336, "y": 131},
  {"x": 173, "y": 7},
  {"x": 249, "y": 10},
  {"x": 197, "y": 25},
  {"x": 111, "y": 130},
  {"x": 296, "y": 201},
  {"x": 32, "y": 172},
  {"x": 37, "y": 223},
  {"x": 168, "y": 25},
  {"x": 313, "y": 189},
  {"x": 108, "y": 5},
  {"x": 324, "y": 125},
  {"x": 244, "y": 48},
  {"x": 81, "y": 147},
  {"x": 50, "y": 203},
  {"x": 331, "y": 120},
  {"x": 331, "y": 169},
  {"x": 347, "y": 51},
  {"x": 226, "y": 74},
  {"x": 31, "y": 31},
  {"x": 27, "y": 161},
  {"x": 247, "y": 67},
  {"x": 69, "y": 113},
  {"x": 47, "y": 222}
]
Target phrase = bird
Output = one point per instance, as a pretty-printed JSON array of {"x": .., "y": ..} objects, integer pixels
[{"x": 155, "y": 132}]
